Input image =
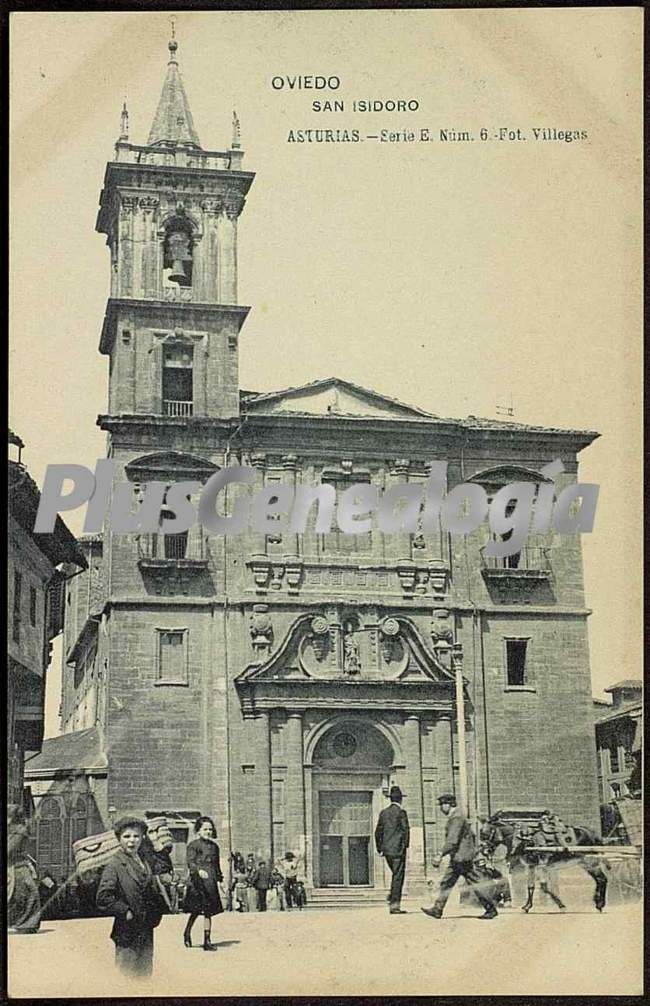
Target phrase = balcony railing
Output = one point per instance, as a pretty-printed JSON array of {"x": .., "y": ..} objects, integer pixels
[
  {"x": 530, "y": 559},
  {"x": 170, "y": 549},
  {"x": 174, "y": 408}
]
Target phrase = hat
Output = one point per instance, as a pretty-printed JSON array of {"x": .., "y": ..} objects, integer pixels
[
  {"x": 447, "y": 798},
  {"x": 395, "y": 794}
]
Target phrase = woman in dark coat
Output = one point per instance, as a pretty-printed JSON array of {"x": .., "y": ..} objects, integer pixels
[
  {"x": 202, "y": 896},
  {"x": 128, "y": 891}
]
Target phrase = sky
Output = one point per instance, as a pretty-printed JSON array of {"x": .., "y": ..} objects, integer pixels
[{"x": 454, "y": 276}]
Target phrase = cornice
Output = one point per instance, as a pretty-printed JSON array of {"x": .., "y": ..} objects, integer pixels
[{"x": 177, "y": 309}]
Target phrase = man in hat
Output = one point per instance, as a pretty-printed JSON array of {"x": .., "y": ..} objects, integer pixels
[
  {"x": 392, "y": 841},
  {"x": 460, "y": 846}
]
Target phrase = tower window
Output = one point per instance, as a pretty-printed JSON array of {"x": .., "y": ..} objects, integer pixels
[
  {"x": 32, "y": 605},
  {"x": 177, "y": 380},
  {"x": 172, "y": 657},
  {"x": 516, "y": 669}
]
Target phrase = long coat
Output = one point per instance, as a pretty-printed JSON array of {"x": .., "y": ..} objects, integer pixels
[
  {"x": 202, "y": 896},
  {"x": 460, "y": 844},
  {"x": 127, "y": 884},
  {"x": 392, "y": 834}
]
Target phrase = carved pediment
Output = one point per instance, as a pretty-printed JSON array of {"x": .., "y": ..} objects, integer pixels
[
  {"x": 160, "y": 466},
  {"x": 343, "y": 648}
]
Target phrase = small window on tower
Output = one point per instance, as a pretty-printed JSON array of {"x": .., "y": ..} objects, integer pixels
[
  {"x": 177, "y": 380},
  {"x": 516, "y": 671},
  {"x": 172, "y": 657}
]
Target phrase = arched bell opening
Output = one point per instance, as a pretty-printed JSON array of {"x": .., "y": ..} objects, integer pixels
[{"x": 178, "y": 249}]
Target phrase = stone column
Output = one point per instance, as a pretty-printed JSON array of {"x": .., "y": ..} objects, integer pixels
[
  {"x": 444, "y": 754},
  {"x": 128, "y": 210},
  {"x": 149, "y": 284},
  {"x": 257, "y": 461},
  {"x": 263, "y": 783},
  {"x": 444, "y": 765},
  {"x": 295, "y": 785},
  {"x": 228, "y": 249},
  {"x": 413, "y": 799},
  {"x": 399, "y": 542},
  {"x": 290, "y": 539},
  {"x": 207, "y": 257}
]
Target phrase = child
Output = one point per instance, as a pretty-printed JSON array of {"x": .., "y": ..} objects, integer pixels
[{"x": 128, "y": 891}]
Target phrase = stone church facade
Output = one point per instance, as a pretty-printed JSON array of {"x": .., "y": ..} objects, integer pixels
[{"x": 282, "y": 682}]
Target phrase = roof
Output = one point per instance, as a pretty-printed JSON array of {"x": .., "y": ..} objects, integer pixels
[
  {"x": 82, "y": 750},
  {"x": 173, "y": 121},
  {"x": 344, "y": 396},
  {"x": 335, "y": 397},
  {"x": 626, "y": 683},
  {"x": 631, "y": 709},
  {"x": 24, "y": 497}
]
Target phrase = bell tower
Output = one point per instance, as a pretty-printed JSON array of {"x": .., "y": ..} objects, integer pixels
[{"x": 169, "y": 210}]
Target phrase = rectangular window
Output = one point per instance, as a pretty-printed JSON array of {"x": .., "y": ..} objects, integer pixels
[
  {"x": 516, "y": 663},
  {"x": 339, "y": 541},
  {"x": 32, "y": 605},
  {"x": 177, "y": 381},
  {"x": 18, "y": 587},
  {"x": 176, "y": 546},
  {"x": 172, "y": 657}
]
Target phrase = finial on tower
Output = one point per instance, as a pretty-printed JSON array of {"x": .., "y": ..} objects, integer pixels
[
  {"x": 124, "y": 122},
  {"x": 173, "y": 44},
  {"x": 236, "y": 131}
]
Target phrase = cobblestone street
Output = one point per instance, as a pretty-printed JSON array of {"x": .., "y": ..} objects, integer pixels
[{"x": 350, "y": 952}]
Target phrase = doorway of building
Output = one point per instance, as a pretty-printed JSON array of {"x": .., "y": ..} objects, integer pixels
[{"x": 345, "y": 825}]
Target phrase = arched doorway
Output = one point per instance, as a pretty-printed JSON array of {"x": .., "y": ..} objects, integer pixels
[{"x": 351, "y": 766}]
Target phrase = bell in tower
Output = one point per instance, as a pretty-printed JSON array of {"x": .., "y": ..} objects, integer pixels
[{"x": 178, "y": 255}]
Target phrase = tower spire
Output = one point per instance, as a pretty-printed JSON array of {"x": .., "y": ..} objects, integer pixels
[
  {"x": 173, "y": 123},
  {"x": 124, "y": 122},
  {"x": 236, "y": 130}
]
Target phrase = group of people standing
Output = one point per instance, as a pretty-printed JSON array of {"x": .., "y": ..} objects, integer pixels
[{"x": 258, "y": 885}]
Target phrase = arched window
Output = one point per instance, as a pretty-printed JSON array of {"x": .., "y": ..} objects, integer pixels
[
  {"x": 79, "y": 819},
  {"x": 50, "y": 834}
]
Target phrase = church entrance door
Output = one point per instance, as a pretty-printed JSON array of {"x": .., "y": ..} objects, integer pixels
[{"x": 345, "y": 826}]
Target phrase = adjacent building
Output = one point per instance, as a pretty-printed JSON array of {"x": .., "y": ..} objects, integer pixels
[
  {"x": 619, "y": 729},
  {"x": 281, "y": 682},
  {"x": 38, "y": 566}
]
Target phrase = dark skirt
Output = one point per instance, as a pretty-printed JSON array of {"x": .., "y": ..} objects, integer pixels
[
  {"x": 202, "y": 897},
  {"x": 24, "y": 907}
]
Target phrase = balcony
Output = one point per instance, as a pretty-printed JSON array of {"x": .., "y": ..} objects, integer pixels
[
  {"x": 522, "y": 573},
  {"x": 168, "y": 552},
  {"x": 177, "y": 409}
]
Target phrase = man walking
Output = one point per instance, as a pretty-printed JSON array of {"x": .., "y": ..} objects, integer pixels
[
  {"x": 460, "y": 846},
  {"x": 392, "y": 841}
]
